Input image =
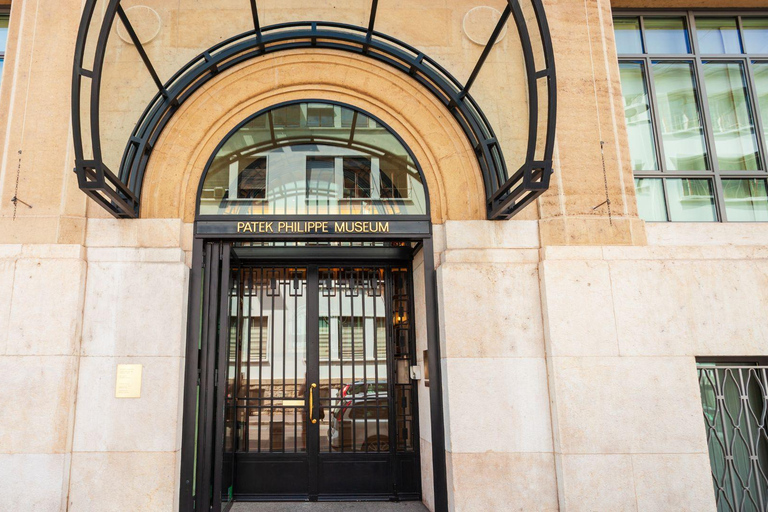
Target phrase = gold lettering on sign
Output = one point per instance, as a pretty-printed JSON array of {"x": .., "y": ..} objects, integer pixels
[{"x": 299, "y": 227}]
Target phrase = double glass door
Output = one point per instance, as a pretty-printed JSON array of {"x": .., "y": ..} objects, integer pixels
[{"x": 318, "y": 402}]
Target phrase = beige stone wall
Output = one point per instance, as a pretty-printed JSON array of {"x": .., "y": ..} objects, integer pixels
[
  {"x": 34, "y": 110},
  {"x": 68, "y": 315}
]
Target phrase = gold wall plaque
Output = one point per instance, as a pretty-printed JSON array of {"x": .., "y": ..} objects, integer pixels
[{"x": 128, "y": 381}]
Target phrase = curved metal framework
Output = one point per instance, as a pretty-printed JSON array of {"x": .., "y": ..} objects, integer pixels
[{"x": 506, "y": 193}]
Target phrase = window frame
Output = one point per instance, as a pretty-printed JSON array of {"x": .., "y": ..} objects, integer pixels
[{"x": 745, "y": 59}]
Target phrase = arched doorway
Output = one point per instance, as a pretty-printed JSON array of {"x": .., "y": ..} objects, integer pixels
[{"x": 301, "y": 374}]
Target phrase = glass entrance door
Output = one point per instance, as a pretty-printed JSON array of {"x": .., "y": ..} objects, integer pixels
[{"x": 319, "y": 389}]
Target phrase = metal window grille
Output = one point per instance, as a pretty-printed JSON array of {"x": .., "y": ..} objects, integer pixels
[{"x": 734, "y": 400}]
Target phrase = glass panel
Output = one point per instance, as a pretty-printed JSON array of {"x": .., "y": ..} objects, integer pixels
[
  {"x": 3, "y": 32},
  {"x": 627, "y": 33},
  {"x": 666, "y": 35},
  {"x": 650, "y": 199},
  {"x": 731, "y": 116},
  {"x": 353, "y": 392},
  {"x": 760, "y": 73},
  {"x": 307, "y": 158},
  {"x": 755, "y": 34},
  {"x": 691, "y": 200},
  {"x": 718, "y": 35},
  {"x": 272, "y": 389},
  {"x": 638, "y": 116},
  {"x": 746, "y": 200},
  {"x": 679, "y": 117}
]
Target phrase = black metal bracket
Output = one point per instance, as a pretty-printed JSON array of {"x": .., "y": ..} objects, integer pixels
[{"x": 506, "y": 194}]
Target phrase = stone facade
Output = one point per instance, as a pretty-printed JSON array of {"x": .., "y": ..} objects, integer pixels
[{"x": 568, "y": 335}]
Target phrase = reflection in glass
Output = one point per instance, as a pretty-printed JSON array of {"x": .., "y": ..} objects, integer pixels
[
  {"x": 650, "y": 199},
  {"x": 4, "y": 18},
  {"x": 638, "y": 115},
  {"x": 666, "y": 35},
  {"x": 268, "y": 323},
  {"x": 627, "y": 33},
  {"x": 755, "y": 35},
  {"x": 353, "y": 367},
  {"x": 760, "y": 73},
  {"x": 718, "y": 35},
  {"x": 691, "y": 200},
  {"x": 679, "y": 117},
  {"x": 312, "y": 158},
  {"x": 731, "y": 117},
  {"x": 746, "y": 200}
]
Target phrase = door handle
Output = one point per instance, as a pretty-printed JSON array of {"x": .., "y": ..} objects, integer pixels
[{"x": 311, "y": 402}]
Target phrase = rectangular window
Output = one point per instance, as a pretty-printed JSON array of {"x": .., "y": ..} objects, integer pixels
[
  {"x": 320, "y": 116},
  {"x": 695, "y": 91},
  {"x": 357, "y": 178},
  {"x": 4, "y": 19},
  {"x": 252, "y": 181},
  {"x": 734, "y": 406},
  {"x": 394, "y": 179}
]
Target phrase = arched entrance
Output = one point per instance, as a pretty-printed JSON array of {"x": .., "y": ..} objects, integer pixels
[{"x": 301, "y": 363}]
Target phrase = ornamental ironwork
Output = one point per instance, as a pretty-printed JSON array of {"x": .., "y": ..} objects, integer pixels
[{"x": 119, "y": 190}]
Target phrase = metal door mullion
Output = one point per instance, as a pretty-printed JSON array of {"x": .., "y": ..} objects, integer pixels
[
  {"x": 313, "y": 376},
  {"x": 352, "y": 352},
  {"x": 286, "y": 297},
  {"x": 709, "y": 137},
  {"x": 340, "y": 344},
  {"x": 272, "y": 361},
  {"x": 391, "y": 390},
  {"x": 661, "y": 163},
  {"x": 365, "y": 362},
  {"x": 220, "y": 373},
  {"x": 376, "y": 359}
]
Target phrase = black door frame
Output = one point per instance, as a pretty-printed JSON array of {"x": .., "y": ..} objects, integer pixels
[{"x": 202, "y": 284}]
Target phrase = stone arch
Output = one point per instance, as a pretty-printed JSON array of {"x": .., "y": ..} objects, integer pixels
[{"x": 180, "y": 155}]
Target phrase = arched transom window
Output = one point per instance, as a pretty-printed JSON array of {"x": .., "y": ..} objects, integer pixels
[{"x": 313, "y": 158}]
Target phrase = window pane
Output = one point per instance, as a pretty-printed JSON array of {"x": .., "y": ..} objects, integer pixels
[
  {"x": 627, "y": 33},
  {"x": 650, "y": 199},
  {"x": 638, "y": 115},
  {"x": 679, "y": 116},
  {"x": 746, "y": 200},
  {"x": 760, "y": 72},
  {"x": 691, "y": 200},
  {"x": 755, "y": 34},
  {"x": 666, "y": 35},
  {"x": 283, "y": 166},
  {"x": 731, "y": 117},
  {"x": 3, "y": 31},
  {"x": 718, "y": 35}
]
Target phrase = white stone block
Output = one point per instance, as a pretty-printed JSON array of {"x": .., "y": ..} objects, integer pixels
[
  {"x": 497, "y": 404},
  {"x": 135, "y": 309},
  {"x": 36, "y": 400},
  {"x": 503, "y": 481},
  {"x": 7, "y": 270},
  {"x": 691, "y": 307},
  {"x": 627, "y": 405},
  {"x": 706, "y": 233},
  {"x": 596, "y": 482},
  {"x": 578, "y": 308},
  {"x": 490, "y": 310},
  {"x": 118, "y": 482},
  {"x": 46, "y": 309},
  {"x": 105, "y": 423},
  {"x": 673, "y": 482},
  {"x": 487, "y": 234},
  {"x": 34, "y": 482}
]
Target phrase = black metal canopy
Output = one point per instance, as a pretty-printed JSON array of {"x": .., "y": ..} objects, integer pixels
[{"x": 507, "y": 192}]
